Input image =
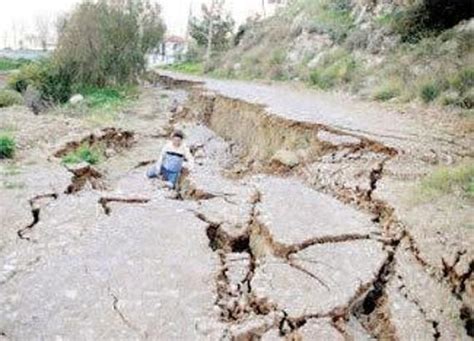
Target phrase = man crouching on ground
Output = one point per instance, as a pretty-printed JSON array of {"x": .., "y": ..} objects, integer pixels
[{"x": 174, "y": 156}]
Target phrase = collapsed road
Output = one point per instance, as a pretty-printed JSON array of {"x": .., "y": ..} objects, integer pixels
[{"x": 287, "y": 228}]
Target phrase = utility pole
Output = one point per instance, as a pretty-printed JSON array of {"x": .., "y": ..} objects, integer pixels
[{"x": 264, "y": 11}]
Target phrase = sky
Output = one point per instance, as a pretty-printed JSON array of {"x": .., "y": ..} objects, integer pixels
[{"x": 22, "y": 14}]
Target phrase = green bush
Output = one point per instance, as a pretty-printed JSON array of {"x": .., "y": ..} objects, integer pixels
[
  {"x": 53, "y": 82},
  {"x": 429, "y": 92},
  {"x": 29, "y": 74},
  {"x": 7, "y": 147},
  {"x": 9, "y": 98},
  {"x": 106, "y": 42},
  {"x": 84, "y": 153}
]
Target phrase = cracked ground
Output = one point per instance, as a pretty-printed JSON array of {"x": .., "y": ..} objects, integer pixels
[{"x": 244, "y": 250}]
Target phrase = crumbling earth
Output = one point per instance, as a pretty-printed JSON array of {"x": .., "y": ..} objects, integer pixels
[{"x": 307, "y": 245}]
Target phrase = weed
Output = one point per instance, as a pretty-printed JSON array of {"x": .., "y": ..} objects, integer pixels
[
  {"x": 84, "y": 153},
  {"x": 447, "y": 180},
  {"x": 9, "y": 98},
  {"x": 7, "y": 147},
  {"x": 429, "y": 92}
]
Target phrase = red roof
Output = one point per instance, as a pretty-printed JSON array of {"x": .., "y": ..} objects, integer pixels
[{"x": 174, "y": 39}]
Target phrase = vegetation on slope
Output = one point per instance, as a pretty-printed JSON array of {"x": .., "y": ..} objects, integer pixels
[{"x": 377, "y": 50}]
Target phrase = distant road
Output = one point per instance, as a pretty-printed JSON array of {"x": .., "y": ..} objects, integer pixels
[{"x": 26, "y": 54}]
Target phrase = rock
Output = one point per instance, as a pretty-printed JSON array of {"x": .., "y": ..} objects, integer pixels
[
  {"x": 33, "y": 100},
  {"x": 76, "y": 99},
  {"x": 286, "y": 158}
]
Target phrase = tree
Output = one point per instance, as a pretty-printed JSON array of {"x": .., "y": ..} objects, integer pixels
[
  {"x": 214, "y": 31},
  {"x": 106, "y": 42},
  {"x": 43, "y": 30}
]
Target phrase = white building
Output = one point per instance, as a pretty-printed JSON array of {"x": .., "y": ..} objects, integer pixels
[{"x": 171, "y": 50}]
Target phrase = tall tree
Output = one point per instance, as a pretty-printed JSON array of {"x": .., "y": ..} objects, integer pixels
[
  {"x": 214, "y": 30},
  {"x": 43, "y": 30},
  {"x": 107, "y": 41}
]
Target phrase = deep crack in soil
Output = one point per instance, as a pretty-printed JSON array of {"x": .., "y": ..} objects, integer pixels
[
  {"x": 104, "y": 201},
  {"x": 107, "y": 140},
  {"x": 83, "y": 174},
  {"x": 368, "y": 305},
  {"x": 36, "y": 205}
]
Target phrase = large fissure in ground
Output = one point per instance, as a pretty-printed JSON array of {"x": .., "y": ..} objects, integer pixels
[{"x": 268, "y": 144}]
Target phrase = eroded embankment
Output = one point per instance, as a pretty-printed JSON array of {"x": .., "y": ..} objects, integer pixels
[{"x": 346, "y": 166}]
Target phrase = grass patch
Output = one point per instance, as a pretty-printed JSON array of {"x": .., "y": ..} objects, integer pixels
[
  {"x": 448, "y": 180},
  {"x": 331, "y": 17},
  {"x": 9, "y": 98},
  {"x": 108, "y": 97},
  {"x": 193, "y": 68},
  {"x": 7, "y": 64},
  {"x": 337, "y": 68},
  {"x": 101, "y": 106},
  {"x": 85, "y": 153},
  {"x": 386, "y": 93},
  {"x": 429, "y": 92},
  {"x": 7, "y": 147}
]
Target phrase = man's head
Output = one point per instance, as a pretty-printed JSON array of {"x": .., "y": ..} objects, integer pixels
[{"x": 177, "y": 138}]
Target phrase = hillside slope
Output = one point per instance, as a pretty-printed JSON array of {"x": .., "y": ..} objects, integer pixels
[{"x": 398, "y": 51}]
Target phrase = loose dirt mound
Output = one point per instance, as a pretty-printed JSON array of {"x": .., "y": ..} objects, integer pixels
[{"x": 107, "y": 139}]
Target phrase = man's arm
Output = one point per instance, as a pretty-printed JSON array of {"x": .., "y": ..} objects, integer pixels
[
  {"x": 189, "y": 158},
  {"x": 160, "y": 158}
]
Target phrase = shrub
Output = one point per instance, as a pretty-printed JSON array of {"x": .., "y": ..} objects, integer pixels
[
  {"x": 30, "y": 74},
  {"x": 84, "y": 153},
  {"x": 9, "y": 98},
  {"x": 429, "y": 92},
  {"x": 337, "y": 69},
  {"x": 429, "y": 16},
  {"x": 53, "y": 82},
  {"x": 7, "y": 147},
  {"x": 463, "y": 80},
  {"x": 322, "y": 79}
]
